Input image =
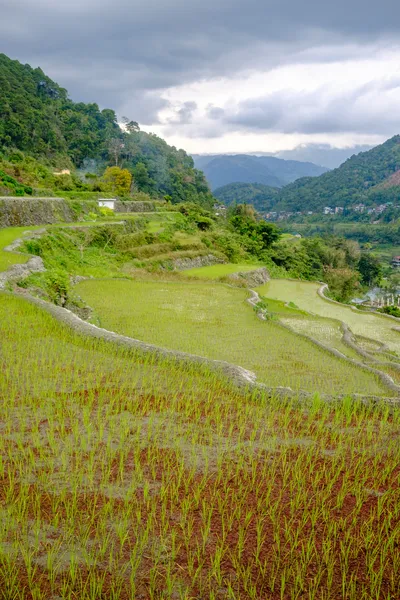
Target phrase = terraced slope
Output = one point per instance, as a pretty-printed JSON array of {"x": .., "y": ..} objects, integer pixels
[
  {"x": 214, "y": 320},
  {"x": 304, "y": 295}
]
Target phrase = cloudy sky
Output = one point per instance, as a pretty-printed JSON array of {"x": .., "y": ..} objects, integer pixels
[{"x": 223, "y": 75}]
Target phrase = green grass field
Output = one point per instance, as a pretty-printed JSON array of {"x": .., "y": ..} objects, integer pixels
[
  {"x": 218, "y": 271},
  {"x": 304, "y": 295},
  {"x": 213, "y": 320},
  {"x": 122, "y": 477}
]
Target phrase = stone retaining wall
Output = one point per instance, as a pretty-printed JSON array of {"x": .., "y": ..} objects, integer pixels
[
  {"x": 251, "y": 278},
  {"x": 15, "y": 212},
  {"x": 134, "y": 207},
  {"x": 182, "y": 264}
]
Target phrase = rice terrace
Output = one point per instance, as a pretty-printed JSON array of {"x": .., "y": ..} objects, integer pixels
[
  {"x": 199, "y": 353},
  {"x": 126, "y": 473}
]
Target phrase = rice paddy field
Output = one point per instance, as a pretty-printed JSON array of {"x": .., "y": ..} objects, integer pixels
[
  {"x": 122, "y": 477},
  {"x": 304, "y": 295},
  {"x": 127, "y": 476},
  {"x": 215, "y": 321}
]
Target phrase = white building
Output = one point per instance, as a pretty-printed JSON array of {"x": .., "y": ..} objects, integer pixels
[{"x": 107, "y": 203}]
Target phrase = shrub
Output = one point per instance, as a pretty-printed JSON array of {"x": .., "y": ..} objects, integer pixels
[
  {"x": 394, "y": 311},
  {"x": 57, "y": 285},
  {"x": 106, "y": 212}
]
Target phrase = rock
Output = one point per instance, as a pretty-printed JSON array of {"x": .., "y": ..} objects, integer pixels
[
  {"x": 134, "y": 206},
  {"x": 78, "y": 278},
  {"x": 251, "y": 278},
  {"x": 17, "y": 272},
  {"x": 180, "y": 264}
]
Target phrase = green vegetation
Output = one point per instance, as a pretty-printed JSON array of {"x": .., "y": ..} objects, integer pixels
[
  {"x": 189, "y": 231},
  {"x": 124, "y": 477},
  {"x": 152, "y": 240},
  {"x": 333, "y": 260},
  {"x": 388, "y": 234},
  {"x": 11, "y": 185},
  {"x": 394, "y": 311},
  {"x": 262, "y": 197},
  {"x": 42, "y": 132},
  {"x": 213, "y": 321}
]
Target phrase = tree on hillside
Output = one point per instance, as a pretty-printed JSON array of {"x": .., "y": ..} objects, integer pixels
[
  {"x": 117, "y": 181},
  {"x": 142, "y": 178},
  {"x": 115, "y": 147},
  {"x": 268, "y": 232},
  {"x": 370, "y": 269},
  {"x": 130, "y": 126},
  {"x": 260, "y": 234}
]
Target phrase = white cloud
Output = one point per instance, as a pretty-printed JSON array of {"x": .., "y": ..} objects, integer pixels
[{"x": 338, "y": 102}]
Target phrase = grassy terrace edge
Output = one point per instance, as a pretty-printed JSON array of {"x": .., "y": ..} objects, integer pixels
[{"x": 241, "y": 377}]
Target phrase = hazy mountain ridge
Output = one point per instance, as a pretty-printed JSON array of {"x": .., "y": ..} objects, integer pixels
[
  {"x": 322, "y": 154},
  {"x": 223, "y": 169}
]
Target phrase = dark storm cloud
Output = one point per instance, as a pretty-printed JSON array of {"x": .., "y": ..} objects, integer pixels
[
  {"x": 184, "y": 114},
  {"x": 113, "y": 48}
]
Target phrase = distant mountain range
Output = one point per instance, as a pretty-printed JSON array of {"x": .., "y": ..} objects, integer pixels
[
  {"x": 222, "y": 169},
  {"x": 370, "y": 178}
]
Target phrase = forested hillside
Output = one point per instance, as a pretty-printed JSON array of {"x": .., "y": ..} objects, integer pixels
[
  {"x": 38, "y": 119},
  {"x": 369, "y": 178},
  {"x": 261, "y": 196}
]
